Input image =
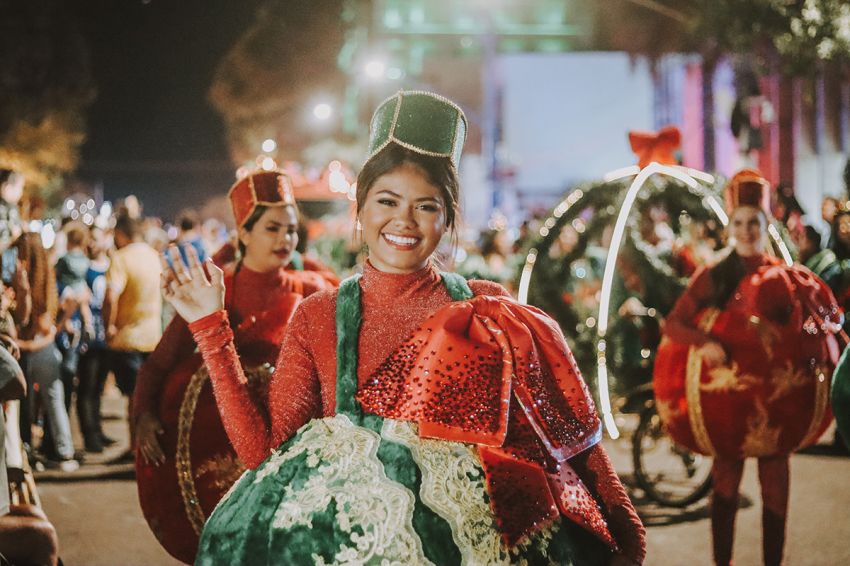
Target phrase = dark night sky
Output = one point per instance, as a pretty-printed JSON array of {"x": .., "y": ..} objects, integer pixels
[{"x": 151, "y": 131}]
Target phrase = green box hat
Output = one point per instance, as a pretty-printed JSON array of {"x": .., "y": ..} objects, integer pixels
[{"x": 421, "y": 121}]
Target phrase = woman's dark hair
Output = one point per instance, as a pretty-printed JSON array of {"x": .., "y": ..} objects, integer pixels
[
  {"x": 841, "y": 250},
  {"x": 439, "y": 170},
  {"x": 725, "y": 276},
  {"x": 785, "y": 197},
  {"x": 812, "y": 235}
]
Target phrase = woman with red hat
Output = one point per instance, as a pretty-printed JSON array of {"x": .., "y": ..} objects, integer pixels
[
  {"x": 185, "y": 462},
  {"x": 413, "y": 417},
  {"x": 744, "y": 368}
]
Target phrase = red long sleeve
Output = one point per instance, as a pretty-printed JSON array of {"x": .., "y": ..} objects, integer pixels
[
  {"x": 245, "y": 424},
  {"x": 679, "y": 324},
  {"x": 176, "y": 343},
  {"x": 595, "y": 470}
]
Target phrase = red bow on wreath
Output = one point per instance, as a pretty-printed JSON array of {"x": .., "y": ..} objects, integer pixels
[{"x": 656, "y": 146}]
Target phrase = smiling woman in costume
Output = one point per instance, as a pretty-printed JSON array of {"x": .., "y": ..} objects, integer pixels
[
  {"x": 745, "y": 366},
  {"x": 185, "y": 462},
  {"x": 415, "y": 417}
]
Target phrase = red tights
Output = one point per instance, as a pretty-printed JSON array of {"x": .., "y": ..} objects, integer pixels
[{"x": 773, "y": 478}]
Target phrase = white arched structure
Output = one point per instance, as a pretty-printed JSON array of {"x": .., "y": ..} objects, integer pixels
[{"x": 687, "y": 176}]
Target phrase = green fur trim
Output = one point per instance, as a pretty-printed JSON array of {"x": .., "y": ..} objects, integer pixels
[
  {"x": 457, "y": 286},
  {"x": 348, "y": 320}
]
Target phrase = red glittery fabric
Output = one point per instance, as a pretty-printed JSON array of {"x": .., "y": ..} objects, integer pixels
[{"x": 304, "y": 383}]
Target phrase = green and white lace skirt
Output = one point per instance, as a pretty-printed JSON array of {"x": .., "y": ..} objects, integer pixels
[{"x": 339, "y": 493}]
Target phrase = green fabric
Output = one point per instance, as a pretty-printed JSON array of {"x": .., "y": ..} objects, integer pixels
[
  {"x": 398, "y": 462},
  {"x": 841, "y": 396},
  {"x": 245, "y": 527},
  {"x": 421, "y": 121},
  {"x": 297, "y": 261},
  {"x": 348, "y": 320},
  {"x": 457, "y": 286}
]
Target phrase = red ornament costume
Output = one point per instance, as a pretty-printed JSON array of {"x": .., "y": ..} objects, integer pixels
[
  {"x": 178, "y": 494},
  {"x": 777, "y": 328},
  {"x": 304, "y": 387}
]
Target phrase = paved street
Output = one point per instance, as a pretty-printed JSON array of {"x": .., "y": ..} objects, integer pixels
[{"x": 100, "y": 523}]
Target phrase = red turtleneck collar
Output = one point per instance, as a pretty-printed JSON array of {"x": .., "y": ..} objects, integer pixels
[{"x": 400, "y": 286}]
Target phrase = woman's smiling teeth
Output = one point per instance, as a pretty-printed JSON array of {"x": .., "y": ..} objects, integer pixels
[{"x": 401, "y": 241}]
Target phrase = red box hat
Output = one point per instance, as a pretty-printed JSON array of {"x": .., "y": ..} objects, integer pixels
[
  {"x": 748, "y": 187},
  {"x": 266, "y": 188}
]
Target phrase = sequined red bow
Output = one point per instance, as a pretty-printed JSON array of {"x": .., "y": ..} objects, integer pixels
[
  {"x": 500, "y": 375},
  {"x": 656, "y": 146}
]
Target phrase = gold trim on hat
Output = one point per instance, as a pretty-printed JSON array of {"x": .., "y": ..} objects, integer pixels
[{"x": 391, "y": 133}]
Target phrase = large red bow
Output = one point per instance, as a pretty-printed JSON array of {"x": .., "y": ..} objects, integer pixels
[
  {"x": 656, "y": 146},
  {"x": 500, "y": 375}
]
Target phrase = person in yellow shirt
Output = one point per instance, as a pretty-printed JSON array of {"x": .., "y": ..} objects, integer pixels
[{"x": 133, "y": 307}]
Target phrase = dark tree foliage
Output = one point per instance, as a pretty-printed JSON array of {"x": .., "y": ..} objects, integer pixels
[
  {"x": 801, "y": 33},
  {"x": 263, "y": 87},
  {"x": 45, "y": 88}
]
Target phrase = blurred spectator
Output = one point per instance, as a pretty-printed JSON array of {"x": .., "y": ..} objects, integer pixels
[
  {"x": 133, "y": 307},
  {"x": 71, "y": 271},
  {"x": 822, "y": 262},
  {"x": 828, "y": 209},
  {"x": 155, "y": 236},
  {"x": 40, "y": 357},
  {"x": 130, "y": 207},
  {"x": 494, "y": 260},
  {"x": 841, "y": 248},
  {"x": 788, "y": 210},
  {"x": 524, "y": 238},
  {"x": 26, "y": 536},
  {"x": 93, "y": 366},
  {"x": 214, "y": 235},
  {"x": 11, "y": 191},
  {"x": 841, "y": 234},
  {"x": 189, "y": 235}
]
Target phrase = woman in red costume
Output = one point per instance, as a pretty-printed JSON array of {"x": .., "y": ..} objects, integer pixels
[
  {"x": 744, "y": 368},
  {"x": 185, "y": 462},
  {"x": 413, "y": 418}
]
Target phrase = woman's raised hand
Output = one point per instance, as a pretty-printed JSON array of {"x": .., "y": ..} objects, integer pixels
[{"x": 190, "y": 291}]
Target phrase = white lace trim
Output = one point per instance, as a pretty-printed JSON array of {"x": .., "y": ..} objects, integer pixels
[
  {"x": 349, "y": 472},
  {"x": 453, "y": 487}
]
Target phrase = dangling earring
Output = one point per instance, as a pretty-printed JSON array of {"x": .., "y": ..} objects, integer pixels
[{"x": 358, "y": 226}]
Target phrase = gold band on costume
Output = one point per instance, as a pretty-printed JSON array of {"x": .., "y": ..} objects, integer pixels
[
  {"x": 183, "y": 461},
  {"x": 822, "y": 387},
  {"x": 692, "y": 387}
]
